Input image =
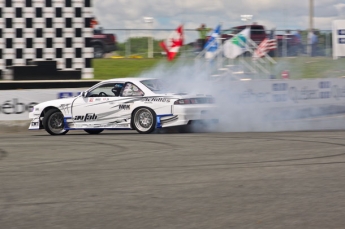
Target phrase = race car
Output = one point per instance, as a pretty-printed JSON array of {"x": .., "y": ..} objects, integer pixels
[{"x": 141, "y": 104}]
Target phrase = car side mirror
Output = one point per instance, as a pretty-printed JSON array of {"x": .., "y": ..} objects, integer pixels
[{"x": 84, "y": 94}]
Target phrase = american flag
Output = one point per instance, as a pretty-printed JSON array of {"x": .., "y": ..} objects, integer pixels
[{"x": 265, "y": 46}]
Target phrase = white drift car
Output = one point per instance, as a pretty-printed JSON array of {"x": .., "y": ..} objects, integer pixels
[{"x": 129, "y": 103}]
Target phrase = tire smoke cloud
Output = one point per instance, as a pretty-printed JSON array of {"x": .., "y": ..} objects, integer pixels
[{"x": 242, "y": 109}]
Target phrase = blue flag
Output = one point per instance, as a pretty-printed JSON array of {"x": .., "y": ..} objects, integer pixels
[{"x": 211, "y": 45}]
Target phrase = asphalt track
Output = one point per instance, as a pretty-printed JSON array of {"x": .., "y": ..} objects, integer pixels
[{"x": 202, "y": 180}]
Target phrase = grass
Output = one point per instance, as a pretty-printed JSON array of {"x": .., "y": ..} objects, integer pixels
[
  {"x": 299, "y": 67},
  {"x": 311, "y": 67},
  {"x": 118, "y": 68}
]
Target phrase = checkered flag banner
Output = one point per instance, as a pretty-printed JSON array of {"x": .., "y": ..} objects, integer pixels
[
  {"x": 265, "y": 46},
  {"x": 47, "y": 30}
]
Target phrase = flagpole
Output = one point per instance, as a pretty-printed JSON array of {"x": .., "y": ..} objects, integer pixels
[
  {"x": 149, "y": 20},
  {"x": 311, "y": 14}
]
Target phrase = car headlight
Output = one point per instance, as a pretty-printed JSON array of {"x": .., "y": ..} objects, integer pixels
[{"x": 34, "y": 109}]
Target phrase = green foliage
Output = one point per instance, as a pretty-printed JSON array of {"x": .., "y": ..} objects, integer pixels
[
  {"x": 299, "y": 67},
  {"x": 118, "y": 68},
  {"x": 310, "y": 67},
  {"x": 138, "y": 46}
]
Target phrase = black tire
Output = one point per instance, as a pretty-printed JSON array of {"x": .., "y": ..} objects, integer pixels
[
  {"x": 198, "y": 127},
  {"x": 53, "y": 122},
  {"x": 98, "y": 51},
  {"x": 144, "y": 120},
  {"x": 93, "y": 131},
  {"x": 184, "y": 129}
]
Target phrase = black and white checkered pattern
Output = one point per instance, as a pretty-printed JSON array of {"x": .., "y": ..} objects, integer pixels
[{"x": 46, "y": 30}]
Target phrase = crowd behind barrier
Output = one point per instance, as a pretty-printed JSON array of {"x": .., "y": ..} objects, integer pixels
[{"x": 131, "y": 42}]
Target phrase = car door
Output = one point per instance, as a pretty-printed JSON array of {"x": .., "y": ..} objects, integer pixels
[
  {"x": 99, "y": 108},
  {"x": 126, "y": 103}
]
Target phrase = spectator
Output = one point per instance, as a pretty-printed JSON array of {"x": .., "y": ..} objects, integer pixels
[
  {"x": 314, "y": 42},
  {"x": 298, "y": 42},
  {"x": 202, "y": 33},
  {"x": 309, "y": 42},
  {"x": 287, "y": 43}
]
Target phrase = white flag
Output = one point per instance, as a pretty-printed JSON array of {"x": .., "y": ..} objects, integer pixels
[{"x": 237, "y": 45}]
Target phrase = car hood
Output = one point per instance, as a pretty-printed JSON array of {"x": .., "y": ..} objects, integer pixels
[{"x": 56, "y": 103}]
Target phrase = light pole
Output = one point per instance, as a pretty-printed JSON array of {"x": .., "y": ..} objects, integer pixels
[
  {"x": 311, "y": 14},
  {"x": 149, "y": 20},
  {"x": 246, "y": 17}
]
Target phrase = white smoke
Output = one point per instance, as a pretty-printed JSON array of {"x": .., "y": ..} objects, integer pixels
[{"x": 239, "y": 108}]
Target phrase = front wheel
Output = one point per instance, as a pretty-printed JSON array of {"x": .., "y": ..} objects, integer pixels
[
  {"x": 144, "y": 120},
  {"x": 93, "y": 131},
  {"x": 53, "y": 122}
]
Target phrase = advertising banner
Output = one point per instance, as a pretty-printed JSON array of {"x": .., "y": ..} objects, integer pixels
[
  {"x": 338, "y": 38},
  {"x": 278, "y": 93},
  {"x": 16, "y": 104},
  {"x": 283, "y": 100}
]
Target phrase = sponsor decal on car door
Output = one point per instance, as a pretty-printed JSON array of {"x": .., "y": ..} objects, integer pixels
[
  {"x": 101, "y": 112},
  {"x": 101, "y": 108}
]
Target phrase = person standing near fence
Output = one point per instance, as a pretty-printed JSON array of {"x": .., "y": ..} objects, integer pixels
[
  {"x": 202, "y": 35},
  {"x": 314, "y": 42},
  {"x": 287, "y": 43},
  {"x": 299, "y": 43}
]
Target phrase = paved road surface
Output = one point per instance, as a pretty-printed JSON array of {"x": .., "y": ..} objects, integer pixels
[{"x": 215, "y": 180}]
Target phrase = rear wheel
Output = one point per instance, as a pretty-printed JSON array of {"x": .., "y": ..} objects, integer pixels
[
  {"x": 144, "y": 120},
  {"x": 93, "y": 131},
  {"x": 53, "y": 122}
]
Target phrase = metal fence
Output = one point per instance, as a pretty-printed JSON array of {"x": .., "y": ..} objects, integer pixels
[{"x": 135, "y": 42}]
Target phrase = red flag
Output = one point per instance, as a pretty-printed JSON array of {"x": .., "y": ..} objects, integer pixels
[
  {"x": 173, "y": 43},
  {"x": 265, "y": 46}
]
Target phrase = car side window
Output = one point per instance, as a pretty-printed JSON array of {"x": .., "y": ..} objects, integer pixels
[
  {"x": 104, "y": 90},
  {"x": 117, "y": 89},
  {"x": 131, "y": 90}
]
